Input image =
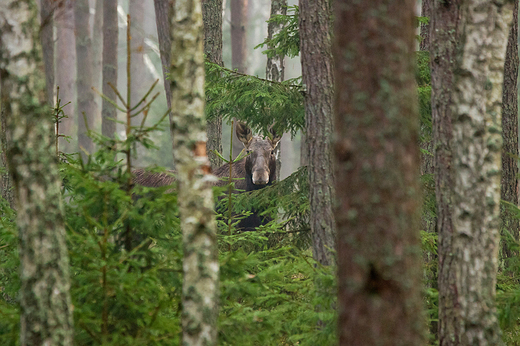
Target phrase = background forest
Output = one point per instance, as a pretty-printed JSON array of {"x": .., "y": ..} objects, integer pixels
[{"x": 390, "y": 215}]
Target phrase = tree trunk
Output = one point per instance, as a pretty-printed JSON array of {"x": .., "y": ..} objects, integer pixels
[
  {"x": 377, "y": 169},
  {"x": 201, "y": 269},
  {"x": 509, "y": 183},
  {"x": 66, "y": 71},
  {"x": 468, "y": 251},
  {"x": 275, "y": 66},
  {"x": 164, "y": 11},
  {"x": 316, "y": 60},
  {"x": 425, "y": 28},
  {"x": 97, "y": 57},
  {"x": 45, "y": 303},
  {"x": 110, "y": 43},
  {"x": 212, "y": 17},
  {"x": 140, "y": 79},
  {"x": 85, "y": 97},
  {"x": 238, "y": 51},
  {"x": 47, "y": 41}
]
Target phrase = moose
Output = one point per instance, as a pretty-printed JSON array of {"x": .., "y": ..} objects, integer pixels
[{"x": 258, "y": 169}]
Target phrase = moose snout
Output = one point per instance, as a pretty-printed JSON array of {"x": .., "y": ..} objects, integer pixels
[{"x": 260, "y": 177}]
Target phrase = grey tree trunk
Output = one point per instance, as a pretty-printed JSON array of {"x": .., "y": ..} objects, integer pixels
[
  {"x": 66, "y": 73},
  {"x": 110, "y": 43},
  {"x": 164, "y": 11},
  {"x": 212, "y": 17},
  {"x": 85, "y": 96},
  {"x": 200, "y": 265},
  {"x": 509, "y": 183},
  {"x": 47, "y": 41},
  {"x": 316, "y": 60},
  {"x": 468, "y": 251},
  {"x": 140, "y": 79},
  {"x": 377, "y": 169},
  {"x": 97, "y": 57},
  {"x": 275, "y": 65},
  {"x": 45, "y": 303}
]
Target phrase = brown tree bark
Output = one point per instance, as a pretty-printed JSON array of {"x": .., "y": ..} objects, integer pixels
[
  {"x": 377, "y": 169},
  {"x": 212, "y": 17},
  {"x": 200, "y": 264},
  {"x": 110, "y": 43},
  {"x": 275, "y": 67},
  {"x": 47, "y": 41},
  {"x": 66, "y": 71},
  {"x": 472, "y": 36},
  {"x": 509, "y": 183},
  {"x": 426, "y": 6},
  {"x": 45, "y": 303},
  {"x": 85, "y": 96},
  {"x": 316, "y": 60}
]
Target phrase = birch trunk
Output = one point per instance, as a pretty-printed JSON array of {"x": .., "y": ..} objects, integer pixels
[
  {"x": 110, "y": 43},
  {"x": 200, "y": 266},
  {"x": 316, "y": 60},
  {"x": 45, "y": 303},
  {"x": 377, "y": 170}
]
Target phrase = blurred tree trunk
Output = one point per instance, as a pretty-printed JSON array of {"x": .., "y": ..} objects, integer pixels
[
  {"x": 275, "y": 65},
  {"x": 377, "y": 169},
  {"x": 316, "y": 60},
  {"x": 97, "y": 57},
  {"x": 66, "y": 71},
  {"x": 200, "y": 265},
  {"x": 468, "y": 249},
  {"x": 110, "y": 44},
  {"x": 47, "y": 41},
  {"x": 426, "y": 6},
  {"x": 45, "y": 303},
  {"x": 238, "y": 51},
  {"x": 509, "y": 183},
  {"x": 140, "y": 79},
  {"x": 164, "y": 11},
  {"x": 212, "y": 17},
  {"x": 85, "y": 96}
]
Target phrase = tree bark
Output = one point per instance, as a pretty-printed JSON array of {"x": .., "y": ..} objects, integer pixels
[
  {"x": 140, "y": 79},
  {"x": 66, "y": 73},
  {"x": 377, "y": 168},
  {"x": 316, "y": 60},
  {"x": 509, "y": 183},
  {"x": 85, "y": 97},
  {"x": 200, "y": 266},
  {"x": 110, "y": 43},
  {"x": 47, "y": 41},
  {"x": 97, "y": 58},
  {"x": 164, "y": 11},
  {"x": 425, "y": 28},
  {"x": 45, "y": 303},
  {"x": 468, "y": 247},
  {"x": 275, "y": 68},
  {"x": 212, "y": 17}
]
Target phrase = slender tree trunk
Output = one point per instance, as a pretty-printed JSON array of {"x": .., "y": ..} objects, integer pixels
[
  {"x": 468, "y": 251},
  {"x": 212, "y": 17},
  {"x": 201, "y": 269},
  {"x": 47, "y": 41},
  {"x": 509, "y": 183},
  {"x": 140, "y": 79},
  {"x": 316, "y": 59},
  {"x": 377, "y": 169},
  {"x": 66, "y": 69},
  {"x": 426, "y": 6},
  {"x": 275, "y": 65},
  {"x": 110, "y": 43},
  {"x": 85, "y": 97},
  {"x": 45, "y": 303},
  {"x": 97, "y": 57},
  {"x": 164, "y": 11},
  {"x": 238, "y": 51}
]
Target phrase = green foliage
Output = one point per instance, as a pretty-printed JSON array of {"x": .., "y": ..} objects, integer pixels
[{"x": 287, "y": 41}]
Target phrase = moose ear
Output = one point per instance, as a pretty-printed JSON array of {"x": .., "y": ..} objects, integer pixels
[
  {"x": 274, "y": 136},
  {"x": 244, "y": 133}
]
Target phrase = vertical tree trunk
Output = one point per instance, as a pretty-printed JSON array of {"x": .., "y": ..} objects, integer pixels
[
  {"x": 66, "y": 71},
  {"x": 110, "y": 43},
  {"x": 46, "y": 309},
  {"x": 377, "y": 168},
  {"x": 164, "y": 11},
  {"x": 316, "y": 59},
  {"x": 140, "y": 79},
  {"x": 97, "y": 57},
  {"x": 200, "y": 265},
  {"x": 509, "y": 183},
  {"x": 238, "y": 51},
  {"x": 468, "y": 252},
  {"x": 47, "y": 41},
  {"x": 426, "y": 6},
  {"x": 275, "y": 66},
  {"x": 85, "y": 97},
  {"x": 212, "y": 17}
]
